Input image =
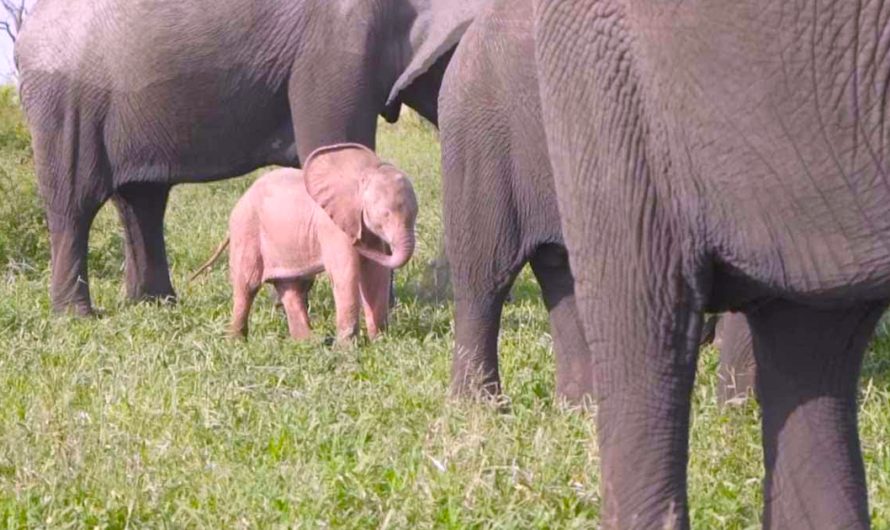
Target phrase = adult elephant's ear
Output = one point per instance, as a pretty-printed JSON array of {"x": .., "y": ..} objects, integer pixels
[
  {"x": 437, "y": 27},
  {"x": 333, "y": 176}
]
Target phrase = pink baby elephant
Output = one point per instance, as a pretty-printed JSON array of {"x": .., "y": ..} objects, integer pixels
[{"x": 341, "y": 214}]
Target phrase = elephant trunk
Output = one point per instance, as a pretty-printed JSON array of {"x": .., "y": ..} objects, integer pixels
[{"x": 402, "y": 250}]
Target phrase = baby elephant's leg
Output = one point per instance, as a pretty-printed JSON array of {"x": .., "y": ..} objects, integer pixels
[
  {"x": 342, "y": 264},
  {"x": 375, "y": 285},
  {"x": 244, "y": 293},
  {"x": 246, "y": 275},
  {"x": 294, "y": 295},
  {"x": 346, "y": 299}
]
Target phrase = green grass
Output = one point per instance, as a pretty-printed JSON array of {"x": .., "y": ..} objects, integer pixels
[{"x": 149, "y": 417}]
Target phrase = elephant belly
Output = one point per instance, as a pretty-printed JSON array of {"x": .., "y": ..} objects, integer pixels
[
  {"x": 172, "y": 132},
  {"x": 288, "y": 233},
  {"x": 818, "y": 270},
  {"x": 287, "y": 257}
]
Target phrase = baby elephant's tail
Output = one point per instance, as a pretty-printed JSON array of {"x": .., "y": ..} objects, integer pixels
[{"x": 209, "y": 263}]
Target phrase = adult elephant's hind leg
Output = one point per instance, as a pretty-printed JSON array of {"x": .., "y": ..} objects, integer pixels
[
  {"x": 141, "y": 207},
  {"x": 69, "y": 241},
  {"x": 808, "y": 364},
  {"x": 74, "y": 183},
  {"x": 737, "y": 368},
  {"x": 574, "y": 364}
]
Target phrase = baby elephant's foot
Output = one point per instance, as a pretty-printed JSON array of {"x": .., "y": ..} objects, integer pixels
[
  {"x": 301, "y": 335},
  {"x": 237, "y": 332},
  {"x": 374, "y": 332},
  {"x": 346, "y": 339}
]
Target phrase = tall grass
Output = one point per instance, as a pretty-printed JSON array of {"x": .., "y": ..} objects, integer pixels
[{"x": 24, "y": 246}]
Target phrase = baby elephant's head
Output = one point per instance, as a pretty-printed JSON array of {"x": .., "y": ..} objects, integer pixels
[{"x": 359, "y": 192}]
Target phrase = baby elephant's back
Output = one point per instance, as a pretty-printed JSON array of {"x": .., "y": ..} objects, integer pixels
[{"x": 288, "y": 219}]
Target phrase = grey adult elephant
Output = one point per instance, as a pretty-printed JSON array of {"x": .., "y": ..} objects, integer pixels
[
  {"x": 126, "y": 99},
  {"x": 501, "y": 212},
  {"x": 500, "y": 208},
  {"x": 728, "y": 155}
]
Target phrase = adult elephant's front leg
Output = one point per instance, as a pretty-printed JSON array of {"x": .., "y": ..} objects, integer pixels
[
  {"x": 141, "y": 208},
  {"x": 808, "y": 363},
  {"x": 69, "y": 235},
  {"x": 641, "y": 279},
  {"x": 643, "y": 337},
  {"x": 477, "y": 323}
]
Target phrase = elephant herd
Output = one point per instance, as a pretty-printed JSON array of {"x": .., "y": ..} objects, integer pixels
[{"x": 684, "y": 157}]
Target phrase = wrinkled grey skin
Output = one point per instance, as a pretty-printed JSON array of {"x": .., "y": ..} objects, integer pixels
[
  {"x": 500, "y": 208},
  {"x": 126, "y": 99},
  {"x": 728, "y": 156}
]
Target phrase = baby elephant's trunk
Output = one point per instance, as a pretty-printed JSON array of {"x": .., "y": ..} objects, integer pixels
[{"x": 402, "y": 250}]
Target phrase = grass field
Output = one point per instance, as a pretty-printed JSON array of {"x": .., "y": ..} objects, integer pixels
[{"x": 149, "y": 417}]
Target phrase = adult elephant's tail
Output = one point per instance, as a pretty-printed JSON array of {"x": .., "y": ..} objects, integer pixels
[{"x": 209, "y": 263}]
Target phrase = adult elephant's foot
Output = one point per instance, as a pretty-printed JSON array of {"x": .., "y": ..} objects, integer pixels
[
  {"x": 70, "y": 292},
  {"x": 161, "y": 293},
  {"x": 152, "y": 286},
  {"x": 470, "y": 379},
  {"x": 77, "y": 309},
  {"x": 474, "y": 368},
  {"x": 69, "y": 286}
]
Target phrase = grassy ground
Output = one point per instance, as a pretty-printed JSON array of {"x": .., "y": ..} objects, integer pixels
[{"x": 150, "y": 418}]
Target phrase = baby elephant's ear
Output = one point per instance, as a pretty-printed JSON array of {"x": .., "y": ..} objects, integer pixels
[{"x": 333, "y": 176}]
